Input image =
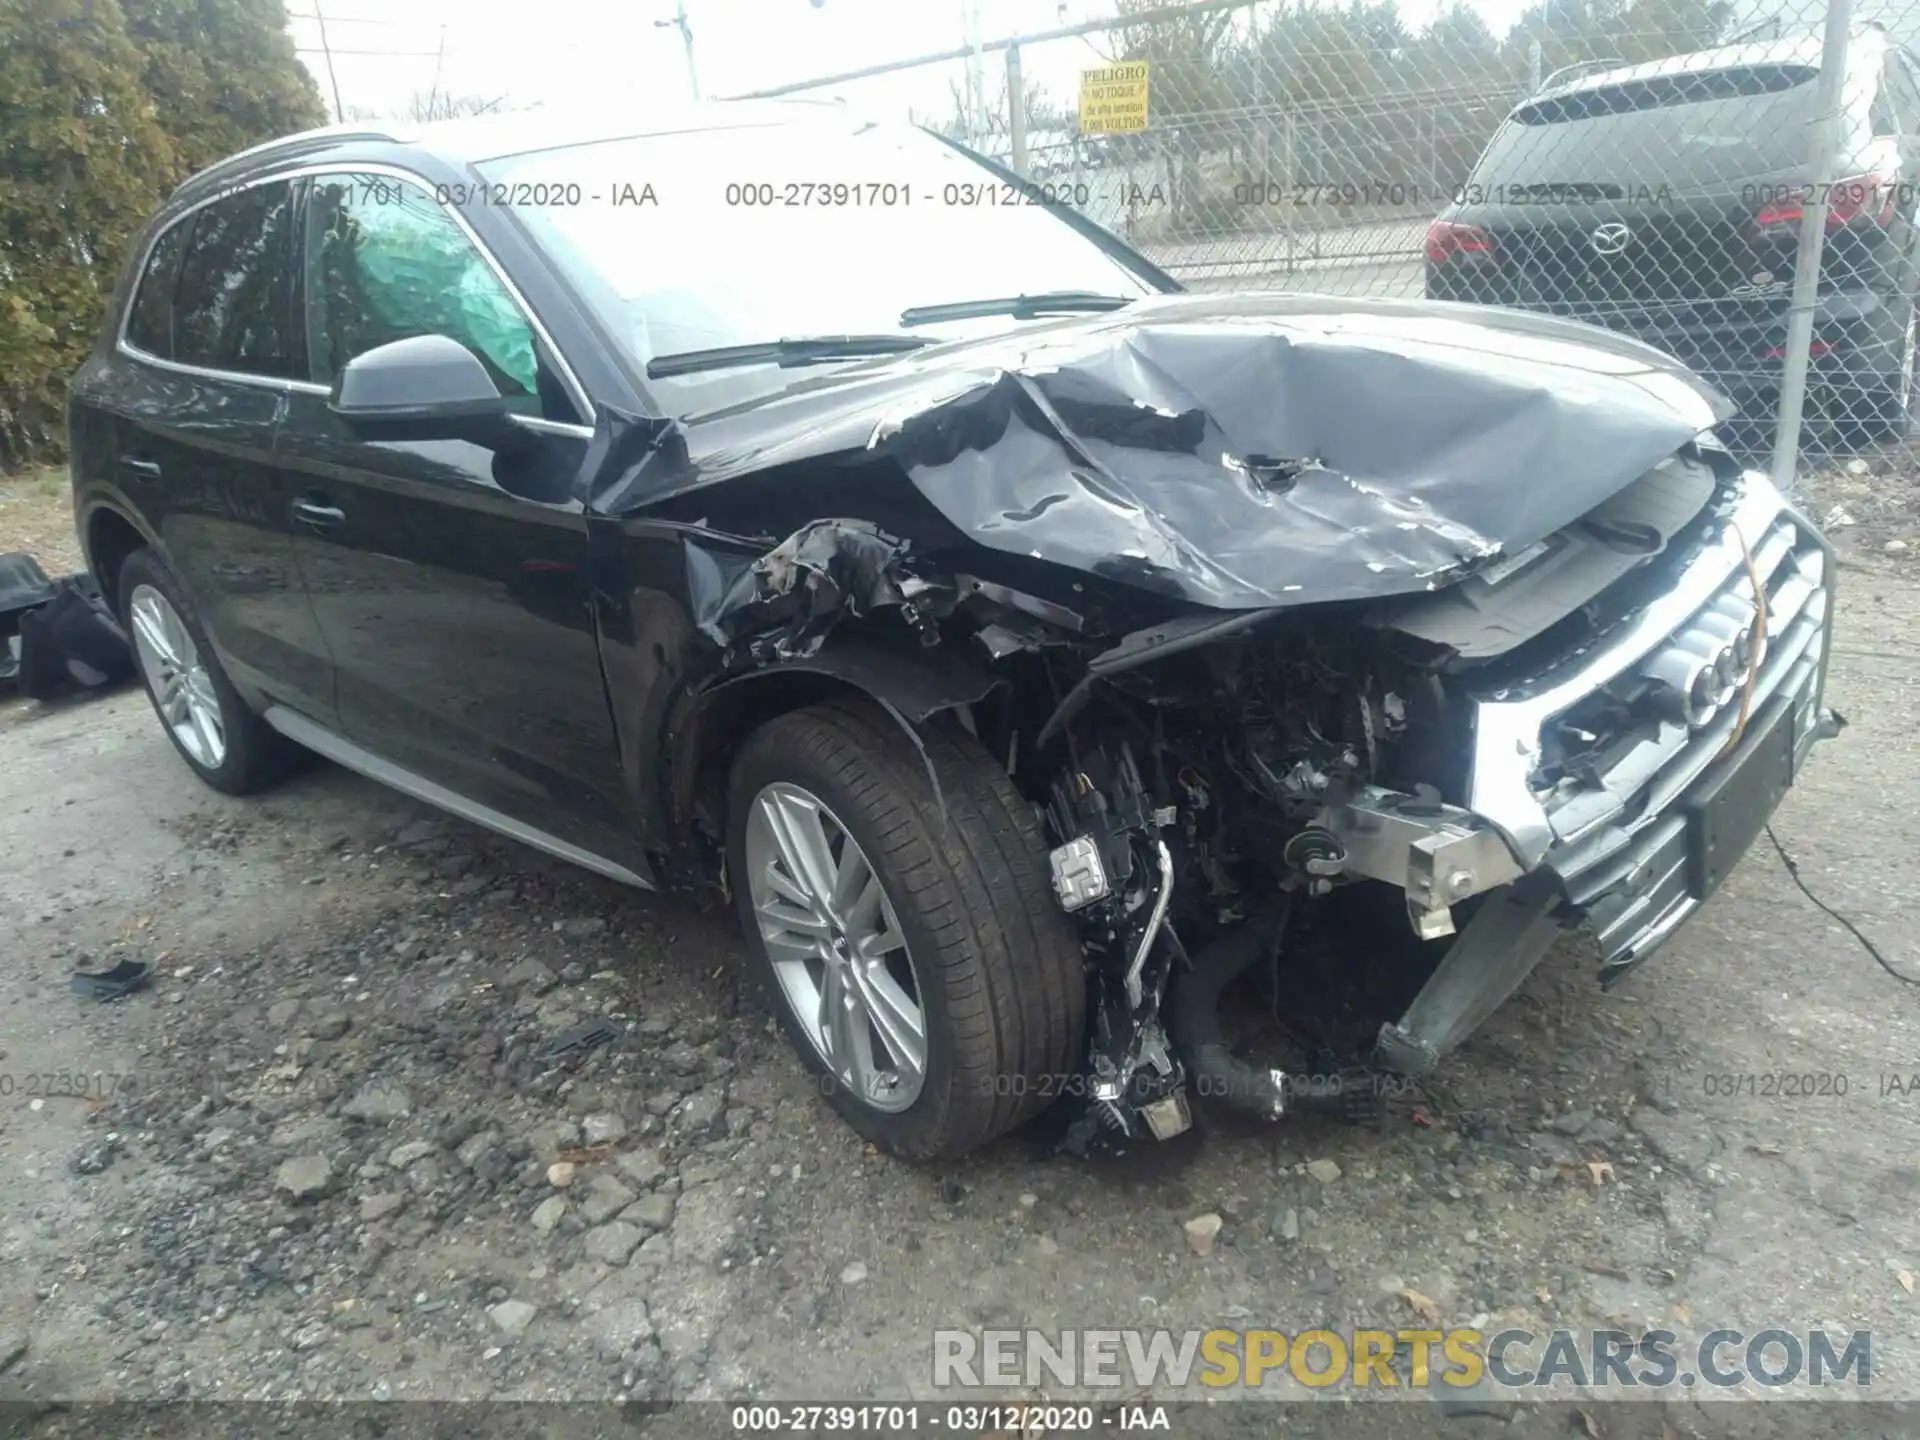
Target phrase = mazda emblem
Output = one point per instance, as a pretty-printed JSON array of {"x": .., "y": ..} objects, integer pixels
[{"x": 1611, "y": 238}]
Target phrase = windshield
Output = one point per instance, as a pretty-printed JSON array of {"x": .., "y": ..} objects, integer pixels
[
  {"x": 1680, "y": 130},
  {"x": 833, "y": 227}
]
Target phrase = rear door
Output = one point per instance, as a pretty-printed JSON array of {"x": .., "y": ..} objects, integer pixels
[
  {"x": 205, "y": 368},
  {"x": 450, "y": 580}
]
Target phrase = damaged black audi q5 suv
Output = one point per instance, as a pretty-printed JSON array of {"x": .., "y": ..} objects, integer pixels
[{"x": 773, "y": 501}]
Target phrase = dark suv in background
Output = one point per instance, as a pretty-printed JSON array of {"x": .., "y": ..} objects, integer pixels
[{"x": 1664, "y": 200}]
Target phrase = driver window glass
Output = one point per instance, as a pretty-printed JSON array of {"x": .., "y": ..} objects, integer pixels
[{"x": 384, "y": 261}]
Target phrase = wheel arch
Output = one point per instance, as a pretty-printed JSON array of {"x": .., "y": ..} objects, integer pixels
[
  {"x": 107, "y": 537},
  {"x": 907, "y": 682}
]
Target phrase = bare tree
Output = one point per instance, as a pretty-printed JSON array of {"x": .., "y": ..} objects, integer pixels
[
  {"x": 996, "y": 137},
  {"x": 437, "y": 105}
]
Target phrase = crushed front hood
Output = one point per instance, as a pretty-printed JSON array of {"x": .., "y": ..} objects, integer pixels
[{"x": 1235, "y": 451}]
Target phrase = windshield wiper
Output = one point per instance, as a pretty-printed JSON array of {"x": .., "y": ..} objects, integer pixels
[
  {"x": 1021, "y": 307},
  {"x": 807, "y": 350}
]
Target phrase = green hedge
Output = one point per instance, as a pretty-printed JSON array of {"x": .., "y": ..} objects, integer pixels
[{"x": 105, "y": 105}]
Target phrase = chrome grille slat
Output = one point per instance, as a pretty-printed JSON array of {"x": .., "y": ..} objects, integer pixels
[
  {"x": 1603, "y": 807},
  {"x": 1708, "y": 743},
  {"x": 1510, "y": 724},
  {"x": 1651, "y": 775},
  {"x": 1670, "y": 885},
  {"x": 1585, "y": 888},
  {"x": 1796, "y": 665}
]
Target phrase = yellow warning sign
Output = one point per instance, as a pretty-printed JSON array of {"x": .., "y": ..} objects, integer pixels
[{"x": 1113, "y": 99}]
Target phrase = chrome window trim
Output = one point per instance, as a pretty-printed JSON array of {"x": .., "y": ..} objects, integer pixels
[
  {"x": 545, "y": 426},
  {"x": 126, "y": 347},
  {"x": 1506, "y": 733},
  {"x": 576, "y": 392}
]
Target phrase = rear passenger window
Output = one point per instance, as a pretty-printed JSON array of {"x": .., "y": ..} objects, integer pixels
[
  {"x": 150, "y": 320},
  {"x": 233, "y": 302}
]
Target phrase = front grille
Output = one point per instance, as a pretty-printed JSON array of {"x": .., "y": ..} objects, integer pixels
[{"x": 1614, "y": 765}]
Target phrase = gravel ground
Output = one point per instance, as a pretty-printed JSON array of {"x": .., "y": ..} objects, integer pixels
[{"x": 324, "y": 1158}]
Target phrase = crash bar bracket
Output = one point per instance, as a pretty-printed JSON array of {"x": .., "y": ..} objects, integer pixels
[
  {"x": 1437, "y": 853},
  {"x": 1509, "y": 934}
]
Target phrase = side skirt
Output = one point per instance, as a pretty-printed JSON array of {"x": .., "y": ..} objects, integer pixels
[{"x": 341, "y": 751}]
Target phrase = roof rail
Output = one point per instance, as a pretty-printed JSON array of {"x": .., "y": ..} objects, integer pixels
[
  {"x": 300, "y": 143},
  {"x": 1576, "y": 70}
]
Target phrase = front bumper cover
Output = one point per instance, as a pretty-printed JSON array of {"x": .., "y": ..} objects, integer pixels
[{"x": 1634, "y": 848}]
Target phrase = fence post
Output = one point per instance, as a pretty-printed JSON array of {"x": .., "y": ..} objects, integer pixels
[
  {"x": 1813, "y": 233},
  {"x": 1016, "y": 112}
]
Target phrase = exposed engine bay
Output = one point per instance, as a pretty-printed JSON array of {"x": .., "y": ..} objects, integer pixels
[{"x": 1267, "y": 603}]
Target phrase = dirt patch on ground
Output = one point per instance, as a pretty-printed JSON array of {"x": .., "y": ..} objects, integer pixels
[
  {"x": 328, "y": 1155},
  {"x": 1869, "y": 504}
]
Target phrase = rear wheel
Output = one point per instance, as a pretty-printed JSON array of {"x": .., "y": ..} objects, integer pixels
[
  {"x": 916, "y": 961},
  {"x": 1882, "y": 407},
  {"x": 225, "y": 743}
]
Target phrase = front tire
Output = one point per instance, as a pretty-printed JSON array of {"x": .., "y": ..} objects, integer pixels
[
  {"x": 915, "y": 959},
  {"x": 224, "y": 742}
]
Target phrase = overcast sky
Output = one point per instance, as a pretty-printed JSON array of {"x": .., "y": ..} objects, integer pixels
[
  {"x": 555, "y": 50},
  {"x": 528, "y": 52}
]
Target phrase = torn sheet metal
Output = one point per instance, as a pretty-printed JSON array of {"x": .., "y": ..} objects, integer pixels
[
  {"x": 1234, "y": 451},
  {"x": 785, "y": 603}
]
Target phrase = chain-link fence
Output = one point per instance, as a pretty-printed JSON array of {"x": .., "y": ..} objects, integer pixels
[{"x": 1743, "y": 196}]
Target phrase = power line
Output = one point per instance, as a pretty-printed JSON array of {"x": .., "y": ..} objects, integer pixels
[
  {"x": 336, "y": 50},
  {"x": 356, "y": 20}
]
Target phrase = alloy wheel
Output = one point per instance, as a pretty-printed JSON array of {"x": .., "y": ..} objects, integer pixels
[
  {"x": 182, "y": 689},
  {"x": 836, "y": 947}
]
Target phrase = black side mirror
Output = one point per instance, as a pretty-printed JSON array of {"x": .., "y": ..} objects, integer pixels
[{"x": 427, "y": 387}]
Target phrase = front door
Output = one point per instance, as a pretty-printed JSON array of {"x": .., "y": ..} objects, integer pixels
[{"x": 450, "y": 580}]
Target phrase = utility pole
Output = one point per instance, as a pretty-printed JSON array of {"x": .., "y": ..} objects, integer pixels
[
  {"x": 680, "y": 23},
  {"x": 1016, "y": 112},
  {"x": 339, "y": 110},
  {"x": 439, "y": 59},
  {"x": 1828, "y": 132},
  {"x": 976, "y": 77}
]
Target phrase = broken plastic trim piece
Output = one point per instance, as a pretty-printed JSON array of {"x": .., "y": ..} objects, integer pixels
[
  {"x": 784, "y": 604},
  {"x": 577, "y": 1040},
  {"x": 123, "y": 979}
]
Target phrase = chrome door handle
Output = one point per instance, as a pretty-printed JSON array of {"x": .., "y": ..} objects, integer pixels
[{"x": 320, "y": 517}]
